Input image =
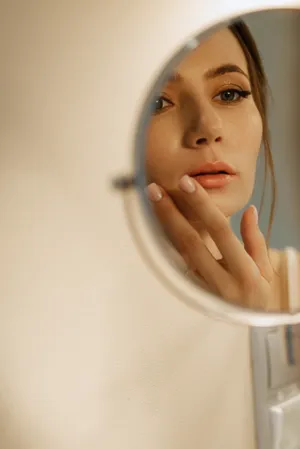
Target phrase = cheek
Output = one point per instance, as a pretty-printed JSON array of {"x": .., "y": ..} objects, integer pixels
[
  {"x": 252, "y": 139},
  {"x": 245, "y": 138},
  {"x": 255, "y": 132},
  {"x": 249, "y": 138}
]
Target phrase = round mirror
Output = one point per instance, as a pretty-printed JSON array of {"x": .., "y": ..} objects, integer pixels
[{"x": 217, "y": 158}]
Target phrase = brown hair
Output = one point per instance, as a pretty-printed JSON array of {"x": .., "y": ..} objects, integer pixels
[{"x": 259, "y": 84}]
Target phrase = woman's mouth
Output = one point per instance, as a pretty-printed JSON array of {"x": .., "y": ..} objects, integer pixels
[
  {"x": 214, "y": 175},
  {"x": 214, "y": 180}
]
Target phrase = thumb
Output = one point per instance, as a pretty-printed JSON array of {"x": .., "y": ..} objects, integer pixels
[{"x": 254, "y": 242}]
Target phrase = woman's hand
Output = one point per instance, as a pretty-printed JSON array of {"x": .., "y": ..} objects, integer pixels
[{"x": 244, "y": 274}]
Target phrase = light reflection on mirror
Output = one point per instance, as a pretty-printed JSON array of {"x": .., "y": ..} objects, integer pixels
[{"x": 222, "y": 157}]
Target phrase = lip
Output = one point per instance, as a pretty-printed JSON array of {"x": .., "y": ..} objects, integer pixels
[
  {"x": 214, "y": 175},
  {"x": 216, "y": 181},
  {"x": 213, "y": 168}
]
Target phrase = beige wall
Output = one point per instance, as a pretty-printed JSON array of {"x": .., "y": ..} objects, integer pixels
[{"x": 94, "y": 352}]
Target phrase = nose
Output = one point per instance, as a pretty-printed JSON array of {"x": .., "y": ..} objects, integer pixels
[{"x": 204, "y": 128}]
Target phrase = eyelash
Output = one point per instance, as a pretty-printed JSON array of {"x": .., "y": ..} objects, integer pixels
[
  {"x": 242, "y": 94},
  {"x": 162, "y": 98}
]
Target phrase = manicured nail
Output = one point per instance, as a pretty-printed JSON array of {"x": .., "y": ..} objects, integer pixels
[
  {"x": 255, "y": 214},
  {"x": 154, "y": 193},
  {"x": 187, "y": 184}
]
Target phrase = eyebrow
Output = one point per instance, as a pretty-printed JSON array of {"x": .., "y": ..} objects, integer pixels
[
  {"x": 223, "y": 69},
  {"x": 212, "y": 73}
]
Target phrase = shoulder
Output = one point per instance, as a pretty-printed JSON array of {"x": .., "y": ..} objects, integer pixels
[
  {"x": 276, "y": 258},
  {"x": 279, "y": 258},
  {"x": 286, "y": 266}
]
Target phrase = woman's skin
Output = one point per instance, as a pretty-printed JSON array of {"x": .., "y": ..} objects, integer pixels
[{"x": 206, "y": 114}]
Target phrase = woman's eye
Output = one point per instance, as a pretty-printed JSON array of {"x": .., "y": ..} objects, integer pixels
[
  {"x": 232, "y": 95},
  {"x": 161, "y": 103}
]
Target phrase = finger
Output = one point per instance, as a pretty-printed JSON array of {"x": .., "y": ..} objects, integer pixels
[
  {"x": 186, "y": 240},
  {"x": 254, "y": 242},
  {"x": 238, "y": 261}
]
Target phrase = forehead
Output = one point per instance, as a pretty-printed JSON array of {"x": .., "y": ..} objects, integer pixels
[{"x": 220, "y": 48}]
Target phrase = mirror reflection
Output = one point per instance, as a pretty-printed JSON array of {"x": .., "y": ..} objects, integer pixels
[{"x": 221, "y": 155}]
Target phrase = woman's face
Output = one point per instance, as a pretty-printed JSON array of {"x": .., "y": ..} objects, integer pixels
[{"x": 205, "y": 114}]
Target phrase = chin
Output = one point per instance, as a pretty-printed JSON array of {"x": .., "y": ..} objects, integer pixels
[
  {"x": 228, "y": 204},
  {"x": 232, "y": 198}
]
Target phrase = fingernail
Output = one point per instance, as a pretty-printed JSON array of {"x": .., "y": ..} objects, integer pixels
[
  {"x": 187, "y": 184},
  {"x": 255, "y": 214},
  {"x": 154, "y": 193}
]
